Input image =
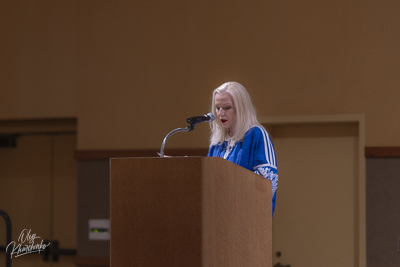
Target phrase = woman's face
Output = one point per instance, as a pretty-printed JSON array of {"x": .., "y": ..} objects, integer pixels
[{"x": 225, "y": 111}]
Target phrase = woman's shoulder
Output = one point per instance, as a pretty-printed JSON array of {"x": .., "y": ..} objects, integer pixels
[
  {"x": 219, "y": 144},
  {"x": 257, "y": 130}
]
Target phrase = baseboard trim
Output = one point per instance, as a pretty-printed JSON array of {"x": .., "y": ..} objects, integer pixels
[
  {"x": 92, "y": 261},
  {"x": 106, "y": 154},
  {"x": 382, "y": 152}
]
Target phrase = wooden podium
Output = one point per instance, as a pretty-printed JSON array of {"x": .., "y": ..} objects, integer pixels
[{"x": 189, "y": 211}]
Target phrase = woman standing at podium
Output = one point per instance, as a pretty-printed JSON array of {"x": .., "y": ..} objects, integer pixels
[{"x": 236, "y": 134}]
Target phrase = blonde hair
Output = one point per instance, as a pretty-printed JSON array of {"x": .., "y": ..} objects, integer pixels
[{"x": 246, "y": 116}]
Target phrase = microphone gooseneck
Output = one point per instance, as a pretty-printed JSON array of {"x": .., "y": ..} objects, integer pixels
[{"x": 192, "y": 121}]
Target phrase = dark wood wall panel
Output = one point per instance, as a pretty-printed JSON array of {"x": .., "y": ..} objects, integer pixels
[
  {"x": 383, "y": 211},
  {"x": 93, "y": 203}
]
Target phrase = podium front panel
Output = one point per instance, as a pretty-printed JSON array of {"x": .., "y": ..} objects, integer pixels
[{"x": 188, "y": 211}]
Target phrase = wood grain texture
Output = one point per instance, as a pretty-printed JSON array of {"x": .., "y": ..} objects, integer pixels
[
  {"x": 237, "y": 216},
  {"x": 190, "y": 211}
]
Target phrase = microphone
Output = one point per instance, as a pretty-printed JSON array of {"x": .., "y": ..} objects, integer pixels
[{"x": 197, "y": 119}]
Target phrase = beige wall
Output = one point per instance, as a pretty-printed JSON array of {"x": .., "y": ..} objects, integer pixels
[
  {"x": 131, "y": 72},
  {"x": 38, "y": 59}
]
